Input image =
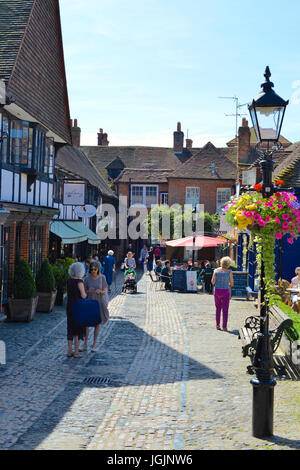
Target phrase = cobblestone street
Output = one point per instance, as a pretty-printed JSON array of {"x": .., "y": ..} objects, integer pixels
[{"x": 164, "y": 379}]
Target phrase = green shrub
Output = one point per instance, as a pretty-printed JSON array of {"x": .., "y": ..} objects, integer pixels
[
  {"x": 292, "y": 333},
  {"x": 61, "y": 273},
  {"x": 45, "y": 281},
  {"x": 24, "y": 283}
]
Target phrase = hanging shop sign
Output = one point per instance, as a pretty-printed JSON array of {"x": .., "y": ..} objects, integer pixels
[{"x": 74, "y": 194}]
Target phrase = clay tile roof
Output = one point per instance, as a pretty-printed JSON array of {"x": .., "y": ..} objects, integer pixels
[
  {"x": 132, "y": 157},
  {"x": 143, "y": 175},
  {"x": 201, "y": 165},
  {"x": 32, "y": 62},
  {"x": 289, "y": 168}
]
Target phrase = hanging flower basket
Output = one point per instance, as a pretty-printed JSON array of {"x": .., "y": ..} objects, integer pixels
[{"x": 267, "y": 220}]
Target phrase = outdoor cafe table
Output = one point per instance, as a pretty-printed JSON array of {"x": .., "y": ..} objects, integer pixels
[{"x": 293, "y": 291}]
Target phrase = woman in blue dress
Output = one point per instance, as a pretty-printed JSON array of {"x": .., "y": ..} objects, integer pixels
[{"x": 109, "y": 265}]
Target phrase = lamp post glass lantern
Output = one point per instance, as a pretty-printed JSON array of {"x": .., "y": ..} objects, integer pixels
[{"x": 267, "y": 113}]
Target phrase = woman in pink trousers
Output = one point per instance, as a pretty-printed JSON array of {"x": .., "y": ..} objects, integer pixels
[{"x": 222, "y": 280}]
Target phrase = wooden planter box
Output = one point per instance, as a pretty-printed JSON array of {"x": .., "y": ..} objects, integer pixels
[
  {"x": 46, "y": 301},
  {"x": 22, "y": 310}
]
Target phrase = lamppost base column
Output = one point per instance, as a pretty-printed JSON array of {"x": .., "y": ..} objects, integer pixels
[{"x": 263, "y": 408}]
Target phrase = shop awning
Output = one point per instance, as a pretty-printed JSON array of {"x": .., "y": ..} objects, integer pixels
[
  {"x": 200, "y": 241},
  {"x": 73, "y": 232}
]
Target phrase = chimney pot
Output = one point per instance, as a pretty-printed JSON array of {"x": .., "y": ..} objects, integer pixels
[
  {"x": 75, "y": 123},
  {"x": 102, "y": 139},
  {"x": 189, "y": 143}
]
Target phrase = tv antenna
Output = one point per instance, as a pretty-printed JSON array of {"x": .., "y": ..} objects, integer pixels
[{"x": 237, "y": 113}]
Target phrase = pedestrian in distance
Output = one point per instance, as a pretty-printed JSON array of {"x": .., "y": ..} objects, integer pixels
[
  {"x": 206, "y": 277},
  {"x": 96, "y": 259},
  {"x": 166, "y": 275},
  {"x": 143, "y": 256},
  {"x": 86, "y": 264},
  {"x": 157, "y": 253},
  {"x": 96, "y": 288},
  {"x": 109, "y": 265},
  {"x": 75, "y": 292},
  {"x": 222, "y": 281},
  {"x": 129, "y": 262},
  {"x": 150, "y": 260}
]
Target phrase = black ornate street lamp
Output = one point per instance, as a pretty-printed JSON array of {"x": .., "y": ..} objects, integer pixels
[{"x": 267, "y": 113}]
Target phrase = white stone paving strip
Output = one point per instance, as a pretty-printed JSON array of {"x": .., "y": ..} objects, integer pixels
[{"x": 148, "y": 411}]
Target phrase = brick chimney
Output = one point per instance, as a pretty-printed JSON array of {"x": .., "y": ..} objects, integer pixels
[
  {"x": 244, "y": 142},
  {"x": 189, "y": 143},
  {"x": 102, "y": 139},
  {"x": 76, "y": 133},
  {"x": 178, "y": 139}
]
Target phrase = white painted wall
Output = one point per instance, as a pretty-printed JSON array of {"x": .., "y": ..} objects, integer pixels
[
  {"x": 16, "y": 192},
  {"x": 44, "y": 193},
  {"x": 23, "y": 188},
  {"x": 6, "y": 185}
]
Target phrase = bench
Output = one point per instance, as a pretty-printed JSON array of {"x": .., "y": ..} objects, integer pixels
[{"x": 278, "y": 324}]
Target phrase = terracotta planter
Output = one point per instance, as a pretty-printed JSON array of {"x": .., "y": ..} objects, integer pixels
[
  {"x": 46, "y": 301},
  {"x": 22, "y": 310}
]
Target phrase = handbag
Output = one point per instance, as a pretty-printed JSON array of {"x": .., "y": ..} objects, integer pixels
[{"x": 86, "y": 312}]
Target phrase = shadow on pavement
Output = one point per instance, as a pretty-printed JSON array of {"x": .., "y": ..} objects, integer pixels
[{"x": 115, "y": 365}]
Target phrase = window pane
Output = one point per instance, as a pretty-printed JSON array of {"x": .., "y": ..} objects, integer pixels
[
  {"x": 25, "y": 140},
  {"x": 30, "y": 145},
  {"x": 16, "y": 142},
  {"x": 5, "y": 143},
  {"x": 193, "y": 196},
  {"x": 223, "y": 196},
  {"x": 164, "y": 198},
  {"x": 151, "y": 195},
  {"x": 137, "y": 194}
]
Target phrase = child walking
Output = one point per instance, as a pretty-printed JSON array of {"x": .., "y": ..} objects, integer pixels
[{"x": 222, "y": 280}]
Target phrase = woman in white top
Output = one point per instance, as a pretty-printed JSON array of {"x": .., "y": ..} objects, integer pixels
[{"x": 129, "y": 262}]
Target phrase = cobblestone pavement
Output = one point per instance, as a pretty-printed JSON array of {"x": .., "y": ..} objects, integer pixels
[{"x": 167, "y": 380}]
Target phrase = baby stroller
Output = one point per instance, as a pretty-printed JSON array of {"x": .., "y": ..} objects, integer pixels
[{"x": 130, "y": 285}]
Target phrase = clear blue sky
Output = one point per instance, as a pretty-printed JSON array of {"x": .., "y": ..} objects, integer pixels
[{"x": 137, "y": 67}]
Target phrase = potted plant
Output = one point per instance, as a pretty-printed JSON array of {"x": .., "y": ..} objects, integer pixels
[
  {"x": 45, "y": 284},
  {"x": 22, "y": 306},
  {"x": 61, "y": 274},
  {"x": 267, "y": 220}
]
